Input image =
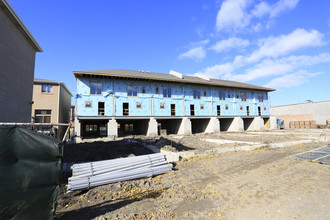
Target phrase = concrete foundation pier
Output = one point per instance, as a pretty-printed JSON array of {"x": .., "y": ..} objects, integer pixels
[
  {"x": 213, "y": 126},
  {"x": 185, "y": 126},
  {"x": 112, "y": 128},
  {"x": 236, "y": 125},
  {"x": 152, "y": 128}
]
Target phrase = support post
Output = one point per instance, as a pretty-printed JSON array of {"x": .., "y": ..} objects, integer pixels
[
  {"x": 237, "y": 124},
  {"x": 77, "y": 127},
  {"x": 185, "y": 126},
  {"x": 273, "y": 122},
  {"x": 152, "y": 127},
  {"x": 112, "y": 128},
  {"x": 213, "y": 126}
]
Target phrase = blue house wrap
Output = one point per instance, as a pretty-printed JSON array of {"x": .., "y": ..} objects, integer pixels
[{"x": 134, "y": 99}]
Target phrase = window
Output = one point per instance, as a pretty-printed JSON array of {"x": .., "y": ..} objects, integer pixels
[
  {"x": 162, "y": 105},
  {"x": 139, "y": 105},
  {"x": 222, "y": 95},
  {"x": 167, "y": 92},
  {"x": 237, "y": 94},
  {"x": 96, "y": 88},
  {"x": 157, "y": 90},
  {"x": 202, "y": 106},
  {"x": 143, "y": 89},
  {"x": 46, "y": 88},
  {"x": 88, "y": 104},
  {"x": 226, "y": 107},
  {"x": 243, "y": 96},
  {"x": 205, "y": 94},
  {"x": 196, "y": 94},
  {"x": 265, "y": 108},
  {"x": 42, "y": 116},
  {"x": 261, "y": 97},
  {"x": 228, "y": 94},
  {"x": 132, "y": 90},
  {"x": 241, "y": 108},
  {"x": 91, "y": 128}
]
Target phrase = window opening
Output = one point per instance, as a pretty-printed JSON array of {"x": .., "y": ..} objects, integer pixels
[
  {"x": 143, "y": 89},
  {"x": 167, "y": 92},
  {"x": 42, "y": 116},
  {"x": 157, "y": 90},
  {"x": 139, "y": 105},
  {"x": 196, "y": 94},
  {"x": 259, "y": 110},
  {"x": 88, "y": 104},
  {"x": 96, "y": 88},
  {"x": 226, "y": 107},
  {"x": 202, "y": 106},
  {"x": 247, "y": 110},
  {"x": 243, "y": 96},
  {"x": 222, "y": 95},
  {"x": 162, "y": 105},
  {"x": 46, "y": 88},
  {"x": 260, "y": 97},
  {"x": 132, "y": 90}
]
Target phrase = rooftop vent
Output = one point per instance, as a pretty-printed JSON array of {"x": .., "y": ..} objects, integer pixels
[
  {"x": 202, "y": 76},
  {"x": 179, "y": 75}
]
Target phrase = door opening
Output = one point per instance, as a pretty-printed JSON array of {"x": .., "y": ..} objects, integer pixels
[
  {"x": 192, "y": 110},
  {"x": 172, "y": 109},
  {"x": 218, "y": 110},
  {"x": 125, "y": 109},
  {"x": 247, "y": 110}
]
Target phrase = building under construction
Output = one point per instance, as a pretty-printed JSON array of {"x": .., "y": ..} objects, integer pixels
[{"x": 120, "y": 102}]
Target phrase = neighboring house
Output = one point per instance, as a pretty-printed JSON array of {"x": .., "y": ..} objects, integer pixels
[
  {"x": 309, "y": 111},
  {"x": 17, "y": 59},
  {"x": 52, "y": 103},
  {"x": 118, "y": 102}
]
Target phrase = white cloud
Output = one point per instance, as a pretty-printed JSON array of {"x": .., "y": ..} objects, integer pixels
[
  {"x": 197, "y": 53},
  {"x": 261, "y": 9},
  {"x": 218, "y": 71},
  {"x": 283, "y": 5},
  {"x": 291, "y": 80},
  {"x": 228, "y": 44},
  {"x": 284, "y": 44},
  {"x": 266, "y": 69},
  {"x": 232, "y": 15}
]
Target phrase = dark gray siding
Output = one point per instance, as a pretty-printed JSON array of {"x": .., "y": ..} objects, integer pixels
[{"x": 17, "y": 59}]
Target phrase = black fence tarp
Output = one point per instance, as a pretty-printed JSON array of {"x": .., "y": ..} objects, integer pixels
[{"x": 30, "y": 174}]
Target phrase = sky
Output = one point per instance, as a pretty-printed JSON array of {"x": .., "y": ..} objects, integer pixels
[{"x": 279, "y": 44}]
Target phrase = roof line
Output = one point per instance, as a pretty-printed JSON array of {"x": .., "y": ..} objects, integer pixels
[
  {"x": 52, "y": 82},
  {"x": 200, "y": 82},
  {"x": 21, "y": 25}
]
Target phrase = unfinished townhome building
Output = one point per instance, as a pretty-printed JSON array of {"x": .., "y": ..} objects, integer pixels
[{"x": 119, "y": 102}]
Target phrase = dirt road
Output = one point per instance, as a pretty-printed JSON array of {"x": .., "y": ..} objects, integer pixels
[{"x": 260, "y": 184}]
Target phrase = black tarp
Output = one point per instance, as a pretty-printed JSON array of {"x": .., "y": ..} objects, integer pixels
[{"x": 30, "y": 174}]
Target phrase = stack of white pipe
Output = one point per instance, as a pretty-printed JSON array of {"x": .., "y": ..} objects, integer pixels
[{"x": 88, "y": 175}]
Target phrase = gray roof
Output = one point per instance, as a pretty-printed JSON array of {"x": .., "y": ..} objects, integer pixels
[
  {"x": 53, "y": 82},
  {"x": 166, "y": 77},
  {"x": 4, "y": 4}
]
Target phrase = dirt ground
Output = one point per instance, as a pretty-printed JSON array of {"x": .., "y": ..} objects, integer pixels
[{"x": 258, "y": 184}]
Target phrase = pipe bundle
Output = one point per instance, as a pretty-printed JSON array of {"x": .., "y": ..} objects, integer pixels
[{"x": 88, "y": 175}]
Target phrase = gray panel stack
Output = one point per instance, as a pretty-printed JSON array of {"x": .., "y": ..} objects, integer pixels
[{"x": 88, "y": 175}]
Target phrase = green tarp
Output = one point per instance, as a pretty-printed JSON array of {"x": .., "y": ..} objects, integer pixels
[{"x": 30, "y": 173}]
